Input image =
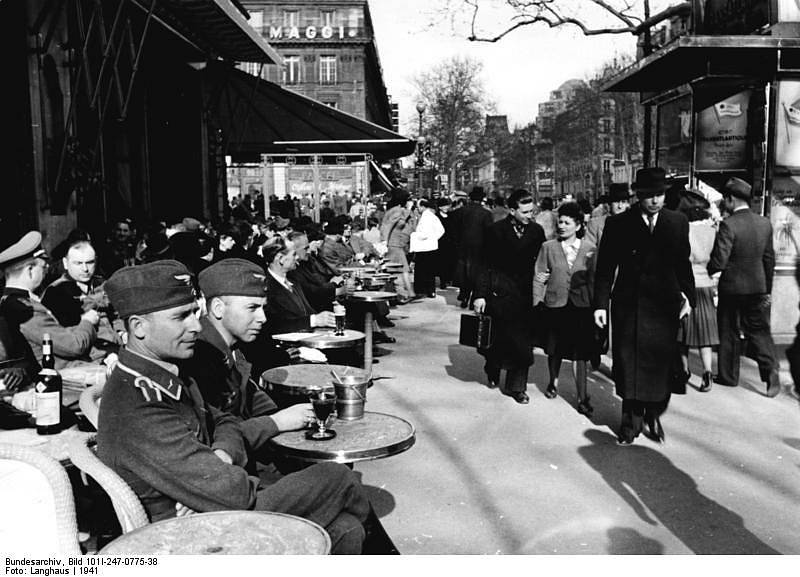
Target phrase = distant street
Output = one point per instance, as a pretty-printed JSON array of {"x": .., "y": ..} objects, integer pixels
[{"x": 489, "y": 476}]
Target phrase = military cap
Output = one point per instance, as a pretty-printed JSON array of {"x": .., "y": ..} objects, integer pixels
[
  {"x": 191, "y": 224},
  {"x": 650, "y": 182},
  {"x": 151, "y": 287},
  {"x": 738, "y": 188},
  {"x": 233, "y": 277},
  {"x": 29, "y": 246}
]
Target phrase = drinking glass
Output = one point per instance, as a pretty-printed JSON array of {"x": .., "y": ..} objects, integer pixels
[{"x": 323, "y": 401}]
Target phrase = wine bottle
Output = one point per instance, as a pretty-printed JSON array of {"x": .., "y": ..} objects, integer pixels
[{"x": 48, "y": 392}]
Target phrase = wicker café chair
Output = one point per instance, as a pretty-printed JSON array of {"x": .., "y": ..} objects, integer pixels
[
  {"x": 129, "y": 510},
  {"x": 65, "y": 518}
]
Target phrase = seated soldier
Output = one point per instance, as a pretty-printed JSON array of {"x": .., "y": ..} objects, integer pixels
[
  {"x": 79, "y": 289},
  {"x": 235, "y": 294},
  {"x": 335, "y": 252},
  {"x": 24, "y": 266},
  {"x": 174, "y": 450}
]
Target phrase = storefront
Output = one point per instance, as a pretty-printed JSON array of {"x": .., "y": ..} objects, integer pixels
[{"x": 725, "y": 101}]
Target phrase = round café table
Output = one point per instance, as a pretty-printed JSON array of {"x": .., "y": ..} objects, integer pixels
[
  {"x": 322, "y": 339},
  {"x": 55, "y": 446},
  {"x": 375, "y": 436},
  {"x": 224, "y": 533},
  {"x": 290, "y": 383},
  {"x": 369, "y": 297}
]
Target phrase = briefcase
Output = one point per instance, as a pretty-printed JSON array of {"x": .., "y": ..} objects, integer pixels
[{"x": 476, "y": 331}]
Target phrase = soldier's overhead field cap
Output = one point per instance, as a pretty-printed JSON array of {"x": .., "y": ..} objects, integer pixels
[
  {"x": 29, "y": 246},
  {"x": 233, "y": 277},
  {"x": 151, "y": 287}
]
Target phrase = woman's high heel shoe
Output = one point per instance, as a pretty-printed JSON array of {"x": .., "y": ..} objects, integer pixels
[
  {"x": 708, "y": 378},
  {"x": 584, "y": 408}
]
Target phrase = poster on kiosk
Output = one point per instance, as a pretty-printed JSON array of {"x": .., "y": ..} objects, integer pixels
[{"x": 721, "y": 143}]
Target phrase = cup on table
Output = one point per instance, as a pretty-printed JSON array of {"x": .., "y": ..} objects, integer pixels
[{"x": 339, "y": 313}]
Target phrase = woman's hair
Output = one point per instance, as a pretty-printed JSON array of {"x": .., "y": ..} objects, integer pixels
[
  {"x": 398, "y": 197},
  {"x": 573, "y": 211},
  {"x": 426, "y": 203},
  {"x": 546, "y": 203},
  {"x": 695, "y": 213}
]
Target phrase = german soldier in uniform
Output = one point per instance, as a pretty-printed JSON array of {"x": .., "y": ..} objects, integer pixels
[{"x": 158, "y": 434}]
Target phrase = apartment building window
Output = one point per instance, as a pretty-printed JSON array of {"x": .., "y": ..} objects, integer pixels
[
  {"x": 256, "y": 20},
  {"x": 328, "y": 18},
  {"x": 606, "y": 125},
  {"x": 291, "y": 18},
  {"x": 327, "y": 69},
  {"x": 607, "y": 145},
  {"x": 291, "y": 69},
  {"x": 607, "y": 166}
]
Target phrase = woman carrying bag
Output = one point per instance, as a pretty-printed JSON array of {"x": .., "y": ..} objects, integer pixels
[{"x": 425, "y": 246}]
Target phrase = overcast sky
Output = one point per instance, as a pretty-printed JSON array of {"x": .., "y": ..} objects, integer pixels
[{"x": 519, "y": 71}]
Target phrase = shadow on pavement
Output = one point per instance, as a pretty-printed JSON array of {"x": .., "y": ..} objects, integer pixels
[
  {"x": 465, "y": 364},
  {"x": 627, "y": 541},
  {"x": 793, "y": 443},
  {"x": 650, "y": 483}
]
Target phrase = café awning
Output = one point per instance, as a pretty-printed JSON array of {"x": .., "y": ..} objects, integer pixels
[
  {"x": 259, "y": 117},
  {"x": 693, "y": 58},
  {"x": 217, "y": 26}
]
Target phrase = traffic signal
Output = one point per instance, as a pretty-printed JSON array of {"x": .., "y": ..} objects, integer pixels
[{"x": 428, "y": 150}]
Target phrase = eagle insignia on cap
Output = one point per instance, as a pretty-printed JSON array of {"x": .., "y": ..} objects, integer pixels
[
  {"x": 260, "y": 277},
  {"x": 184, "y": 278}
]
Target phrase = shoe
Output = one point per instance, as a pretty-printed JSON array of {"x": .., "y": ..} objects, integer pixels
[
  {"x": 385, "y": 323},
  {"x": 705, "y": 386},
  {"x": 521, "y": 397},
  {"x": 382, "y": 338},
  {"x": 625, "y": 438},
  {"x": 431, "y": 295},
  {"x": 551, "y": 392},
  {"x": 584, "y": 408},
  {"x": 463, "y": 304},
  {"x": 656, "y": 430},
  {"x": 491, "y": 384},
  {"x": 773, "y": 385}
]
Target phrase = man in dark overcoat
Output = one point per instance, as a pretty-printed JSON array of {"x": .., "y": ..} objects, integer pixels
[
  {"x": 471, "y": 222},
  {"x": 744, "y": 254},
  {"x": 505, "y": 292},
  {"x": 179, "y": 453},
  {"x": 647, "y": 248}
]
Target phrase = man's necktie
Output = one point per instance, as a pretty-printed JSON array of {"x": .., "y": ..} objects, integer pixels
[{"x": 651, "y": 222}]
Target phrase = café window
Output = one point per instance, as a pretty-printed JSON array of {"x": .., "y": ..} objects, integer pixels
[
  {"x": 327, "y": 69},
  {"x": 291, "y": 18},
  {"x": 328, "y": 18},
  {"x": 291, "y": 69}
]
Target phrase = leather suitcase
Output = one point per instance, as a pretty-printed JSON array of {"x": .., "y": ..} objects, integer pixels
[{"x": 476, "y": 331}]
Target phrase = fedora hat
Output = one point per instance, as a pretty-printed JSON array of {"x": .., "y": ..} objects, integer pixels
[
  {"x": 650, "y": 182},
  {"x": 738, "y": 188},
  {"x": 618, "y": 191}
]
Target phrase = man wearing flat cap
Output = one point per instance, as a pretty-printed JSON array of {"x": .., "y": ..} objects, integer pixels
[
  {"x": 743, "y": 253},
  {"x": 644, "y": 256},
  {"x": 24, "y": 265},
  {"x": 177, "y": 452}
]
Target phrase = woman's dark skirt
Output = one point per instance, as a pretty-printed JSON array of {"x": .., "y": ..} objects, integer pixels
[
  {"x": 568, "y": 332},
  {"x": 699, "y": 329}
]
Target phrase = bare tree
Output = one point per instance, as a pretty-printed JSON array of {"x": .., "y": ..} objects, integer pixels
[
  {"x": 456, "y": 104},
  {"x": 591, "y": 17}
]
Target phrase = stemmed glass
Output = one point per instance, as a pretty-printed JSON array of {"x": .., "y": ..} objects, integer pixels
[{"x": 323, "y": 401}]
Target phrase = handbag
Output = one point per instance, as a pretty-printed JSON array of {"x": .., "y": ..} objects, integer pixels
[{"x": 476, "y": 331}]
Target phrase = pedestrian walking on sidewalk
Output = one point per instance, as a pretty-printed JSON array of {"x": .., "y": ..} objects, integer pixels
[
  {"x": 564, "y": 281},
  {"x": 744, "y": 254},
  {"x": 396, "y": 230},
  {"x": 699, "y": 329},
  {"x": 425, "y": 246},
  {"x": 504, "y": 293},
  {"x": 471, "y": 223},
  {"x": 647, "y": 250}
]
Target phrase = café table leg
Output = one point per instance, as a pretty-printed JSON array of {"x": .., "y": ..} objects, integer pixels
[{"x": 368, "y": 338}]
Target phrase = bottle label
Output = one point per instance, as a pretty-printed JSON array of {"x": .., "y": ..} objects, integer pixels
[
  {"x": 48, "y": 409},
  {"x": 47, "y": 349}
]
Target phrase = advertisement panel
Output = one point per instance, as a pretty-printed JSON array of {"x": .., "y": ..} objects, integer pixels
[
  {"x": 787, "y": 125},
  {"x": 674, "y": 151},
  {"x": 721, "y": 134}
]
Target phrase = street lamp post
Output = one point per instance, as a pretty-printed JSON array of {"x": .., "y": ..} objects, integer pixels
[{"x": 420, "y": 160}]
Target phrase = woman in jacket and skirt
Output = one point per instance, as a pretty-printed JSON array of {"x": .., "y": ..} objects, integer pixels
[
  {"x": 699, "y": 329},
  {"x": 564, "y": 281}
]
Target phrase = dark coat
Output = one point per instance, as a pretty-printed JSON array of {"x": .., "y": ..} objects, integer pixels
[
  {"x": 287, "y": 310},
  {"x": 506, "y": 282},
  {"x": 651, "y": 273},
  {"x": 313, "y": 276},
  {"x": 473, "y": 222},
  {"x": 743, "y": 252}
]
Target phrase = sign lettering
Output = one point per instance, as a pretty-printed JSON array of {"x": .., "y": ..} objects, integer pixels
[{"x": 311, "y": 32}]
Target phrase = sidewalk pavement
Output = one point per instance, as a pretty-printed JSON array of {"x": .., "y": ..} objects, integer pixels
[{"x": 490, "y": 476}]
